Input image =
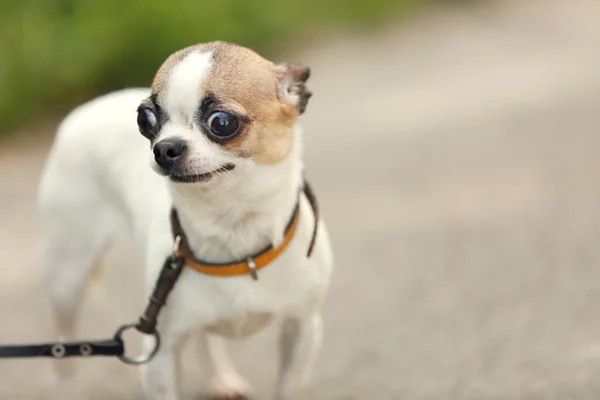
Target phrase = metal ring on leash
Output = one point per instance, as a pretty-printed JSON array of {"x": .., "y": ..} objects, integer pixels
[
  {"x": 58, "y": 350},
  {"x": 85, "y": 349},
  {"x": 141, "y": 359}
]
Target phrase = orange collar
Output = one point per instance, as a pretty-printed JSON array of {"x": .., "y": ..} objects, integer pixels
[{"x": 249, "y": 265}]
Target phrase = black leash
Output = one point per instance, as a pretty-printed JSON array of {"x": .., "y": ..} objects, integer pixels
[
  {"x": 114, "y": 347},
  {"x": 111, "y": 348}
]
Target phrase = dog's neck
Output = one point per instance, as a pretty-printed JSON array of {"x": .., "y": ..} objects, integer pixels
[{"x": 236, "y": 220}]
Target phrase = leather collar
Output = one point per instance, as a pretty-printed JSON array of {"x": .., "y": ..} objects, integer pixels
[{"x": 251, "y": 264}]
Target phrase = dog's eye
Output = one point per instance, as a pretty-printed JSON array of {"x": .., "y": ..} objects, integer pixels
[
  {"x": 147, "y": 123},
  {"x": 223, "y": 125}
]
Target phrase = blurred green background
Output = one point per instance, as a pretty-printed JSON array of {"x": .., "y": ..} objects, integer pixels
[{"x": 57, "y": 53}]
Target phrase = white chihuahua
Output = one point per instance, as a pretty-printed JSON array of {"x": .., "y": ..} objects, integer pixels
[{"x": 220, "y": 122}]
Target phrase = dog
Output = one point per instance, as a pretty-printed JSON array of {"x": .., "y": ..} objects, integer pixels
[{"x": 216, "y": 141}]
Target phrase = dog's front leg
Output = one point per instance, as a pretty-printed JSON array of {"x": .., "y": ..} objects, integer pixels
[
  {"x": 224, "y": 382},
  {"x": 160, "y": 377},
  {"x": 300, "y": 341}
]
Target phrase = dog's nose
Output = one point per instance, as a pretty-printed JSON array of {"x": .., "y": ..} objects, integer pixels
[{"x": 167, "y": 151}]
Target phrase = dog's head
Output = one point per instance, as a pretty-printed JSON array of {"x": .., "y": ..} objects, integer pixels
[{"x": 216, "y": 106}]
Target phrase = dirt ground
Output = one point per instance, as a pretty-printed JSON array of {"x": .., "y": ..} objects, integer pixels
[{"x": 456, "y": 159}]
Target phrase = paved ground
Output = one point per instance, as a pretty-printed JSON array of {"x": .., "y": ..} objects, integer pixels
[{"x": 457, "y": 163}]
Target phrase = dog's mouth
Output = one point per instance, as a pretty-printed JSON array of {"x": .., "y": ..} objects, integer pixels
[{"x": 205, "y": 177}]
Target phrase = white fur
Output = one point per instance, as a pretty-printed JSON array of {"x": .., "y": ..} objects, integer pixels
[
  {"x": 97, "y": 186},
  {"x": 183, "y": 95}
]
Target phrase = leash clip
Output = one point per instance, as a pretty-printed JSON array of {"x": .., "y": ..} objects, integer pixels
[{"x": 176, "y": 246}]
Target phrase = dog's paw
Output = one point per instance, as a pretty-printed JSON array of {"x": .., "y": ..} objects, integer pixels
[{"x": 230, "y": 387}]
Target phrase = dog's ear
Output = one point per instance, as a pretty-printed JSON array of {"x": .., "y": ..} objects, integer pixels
[{"x": 292, "y": 85}]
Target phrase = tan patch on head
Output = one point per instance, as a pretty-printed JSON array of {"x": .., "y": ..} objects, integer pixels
[
  {"x": 246, "y": 82},
  {"x": 249, "y": 86}
]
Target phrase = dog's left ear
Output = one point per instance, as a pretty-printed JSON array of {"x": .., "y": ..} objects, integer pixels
[{"x": 292, "y": 85}]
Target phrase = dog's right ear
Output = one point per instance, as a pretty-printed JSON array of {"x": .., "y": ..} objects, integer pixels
[{"x": 292, "y": 85}]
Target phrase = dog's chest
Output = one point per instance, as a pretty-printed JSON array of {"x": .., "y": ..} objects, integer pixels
[
  {"x": 232, "y": 307},
  {"x": 238, "y": 306}
]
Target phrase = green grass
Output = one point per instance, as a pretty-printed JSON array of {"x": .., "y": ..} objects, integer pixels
[{"x": 56, "y": 53}]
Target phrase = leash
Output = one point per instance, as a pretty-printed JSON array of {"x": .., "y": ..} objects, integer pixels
[
  {"x": 170, "y": 272},
  {"x": 114, "y": 347}
]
